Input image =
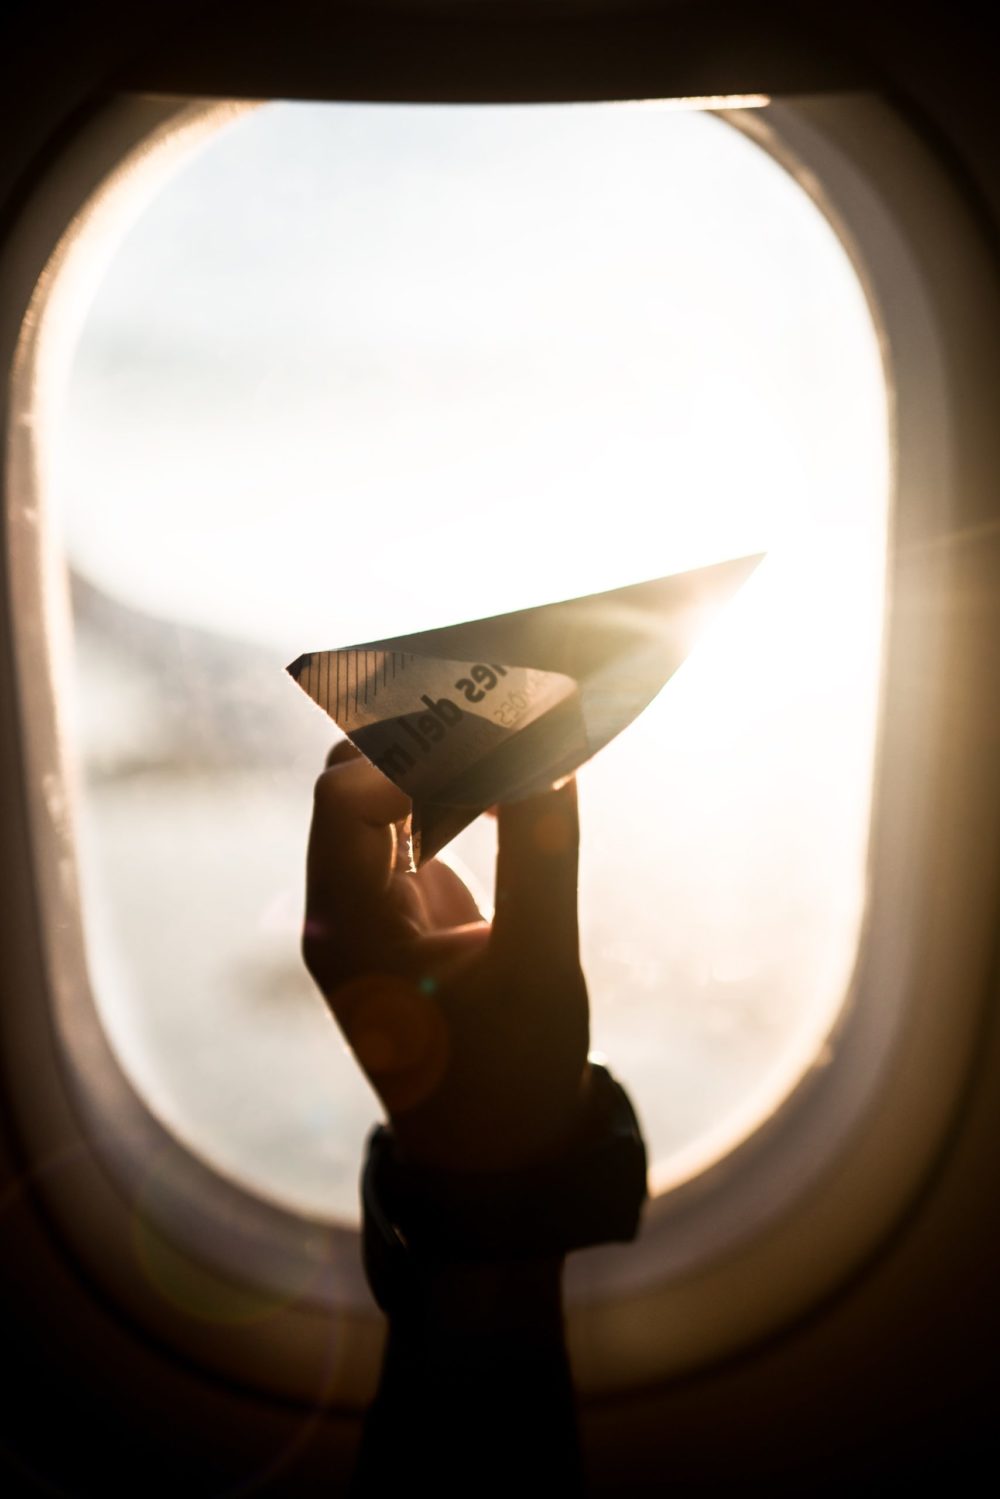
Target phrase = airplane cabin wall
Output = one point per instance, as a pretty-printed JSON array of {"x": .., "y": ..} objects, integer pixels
[{"x": 894, "y": 1375}]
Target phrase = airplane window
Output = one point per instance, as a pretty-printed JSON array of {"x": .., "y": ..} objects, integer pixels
[{"x": 364, "y": 369}]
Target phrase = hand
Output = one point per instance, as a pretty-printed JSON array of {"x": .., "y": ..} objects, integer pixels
[{"x": 474, "y": 1036}]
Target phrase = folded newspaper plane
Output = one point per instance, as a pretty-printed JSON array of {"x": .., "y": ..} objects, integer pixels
[{"x": 497, "y": 709}]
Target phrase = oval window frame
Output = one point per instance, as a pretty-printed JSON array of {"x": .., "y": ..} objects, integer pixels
[{"x": 277, "y": 1302}]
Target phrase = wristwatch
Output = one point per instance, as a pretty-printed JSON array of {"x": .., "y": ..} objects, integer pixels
[{"x": 418, "y": 1220}]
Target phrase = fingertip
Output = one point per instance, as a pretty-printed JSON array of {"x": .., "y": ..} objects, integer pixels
[
  {"x": 343, "y": 750},
  {"x": 354, "y": 790},
  {"x": 328, "y": 790}
]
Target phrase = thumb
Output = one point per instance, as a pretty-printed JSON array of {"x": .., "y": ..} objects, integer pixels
[{"x": 536, "y": 885}]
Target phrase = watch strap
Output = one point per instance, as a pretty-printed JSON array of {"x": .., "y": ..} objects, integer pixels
[{"x": 417, "y": 1219}]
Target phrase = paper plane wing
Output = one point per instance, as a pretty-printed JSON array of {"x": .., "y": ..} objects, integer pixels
[{"x": 493, "y": 710}]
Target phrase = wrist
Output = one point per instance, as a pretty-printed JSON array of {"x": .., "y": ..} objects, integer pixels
[
  {"x": 431, "y": 1233},
  {"x": 465, "y": 1319},
  {"x": 537, "y": 1132},
  {"x": 516, "y": 1296}
]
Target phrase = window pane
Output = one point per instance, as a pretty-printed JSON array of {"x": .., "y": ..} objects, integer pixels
[{"x": 361, "y": 370}]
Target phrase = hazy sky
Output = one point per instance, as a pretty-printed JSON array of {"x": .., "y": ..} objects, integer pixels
[{"x": 359, "y": 370}]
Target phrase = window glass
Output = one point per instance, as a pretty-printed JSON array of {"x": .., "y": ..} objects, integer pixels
[{"x": 360, "y": 370}]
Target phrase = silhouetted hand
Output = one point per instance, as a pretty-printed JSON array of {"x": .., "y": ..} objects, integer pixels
[{"x": 474, "y": 1036}]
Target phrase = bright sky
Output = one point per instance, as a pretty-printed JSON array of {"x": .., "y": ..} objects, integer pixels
[
  {"x": 360, "y": 370},
  {"x": 364, "y": 369}
]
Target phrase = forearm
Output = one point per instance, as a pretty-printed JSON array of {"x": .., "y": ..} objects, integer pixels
[{"x": 475, "y": 1391}]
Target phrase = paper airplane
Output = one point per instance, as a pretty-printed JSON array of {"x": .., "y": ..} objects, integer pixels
[{"x": 493, "y": 710}]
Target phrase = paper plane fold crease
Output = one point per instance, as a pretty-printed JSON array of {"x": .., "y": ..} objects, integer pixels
[{"x": 493, "y": 710}]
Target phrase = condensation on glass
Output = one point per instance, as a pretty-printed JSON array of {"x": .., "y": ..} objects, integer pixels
[{"x": 361, "y": 370}]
